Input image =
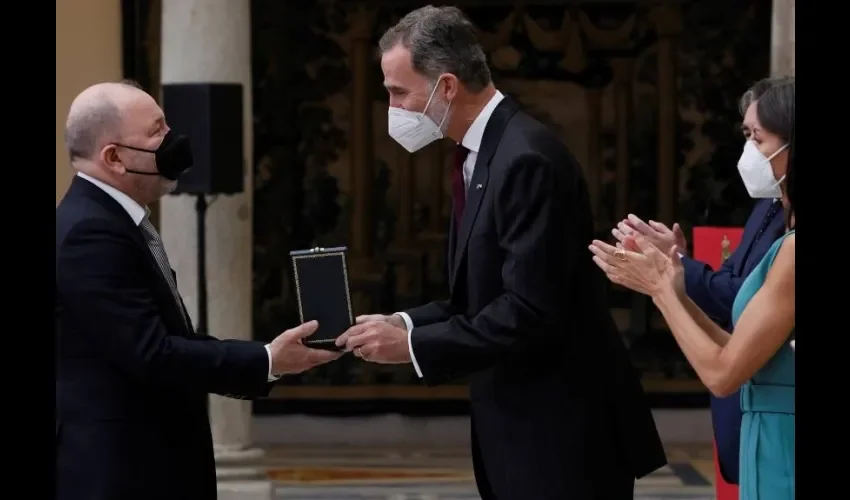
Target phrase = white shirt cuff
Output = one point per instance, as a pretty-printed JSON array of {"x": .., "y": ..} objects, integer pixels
[
  {"x": 409, "y": 324},
  {"x": 271, "y": 378}
]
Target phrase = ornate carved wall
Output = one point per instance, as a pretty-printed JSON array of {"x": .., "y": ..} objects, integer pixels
[{"x": 643, "y": 93}]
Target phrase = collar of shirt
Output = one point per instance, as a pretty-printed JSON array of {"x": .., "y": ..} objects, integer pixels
[
  {"x": 472, "y": 139},
  {"x": 136, "y": 211}
]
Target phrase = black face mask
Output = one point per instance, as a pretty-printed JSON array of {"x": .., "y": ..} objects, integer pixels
[{"x": 173, "y": 156}]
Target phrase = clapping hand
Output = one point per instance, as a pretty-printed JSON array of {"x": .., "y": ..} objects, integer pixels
[
  {"x": 640, "y": 266},
  {"x": 290, "y": 355},
  {"x": 377, "y": 338},
  {"x": 658, "y": 234}
]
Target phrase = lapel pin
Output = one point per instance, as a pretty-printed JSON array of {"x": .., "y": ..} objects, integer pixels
[{"x": 479, "y": 186}]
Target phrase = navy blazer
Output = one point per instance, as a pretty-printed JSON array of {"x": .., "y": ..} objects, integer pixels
[{"x": 714, "y": 292}]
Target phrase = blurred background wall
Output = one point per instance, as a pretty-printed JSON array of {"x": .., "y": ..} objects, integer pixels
[{"x": 88, "y": 50}]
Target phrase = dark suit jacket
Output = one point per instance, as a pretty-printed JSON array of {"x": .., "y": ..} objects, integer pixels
[
  {"x": 557, "y": 408},
  {"x": 131, "y": 378},
  {"x": 714, "y": 292}
]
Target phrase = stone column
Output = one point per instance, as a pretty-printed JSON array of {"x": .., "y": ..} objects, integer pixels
[
  {"x": 782, "y": 38},
  {"x": 668, "y": 23},
  {"x": 210, "y": 41}
]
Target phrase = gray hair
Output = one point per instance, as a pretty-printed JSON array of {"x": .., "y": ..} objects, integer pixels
[
  {"x": 93, "y": 122},
  {"x": 758, "y": 89},
  {"x": 441, "y": 40}
]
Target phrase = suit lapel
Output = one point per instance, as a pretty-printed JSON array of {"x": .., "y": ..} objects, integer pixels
[
  {"x": 179, "y": 309},
  {"x": 474, "y": 195},
  {"x": 480, "y": 175},
  {"x": 86, "y": 189},
  {"x": 750, "y": 231},
  {"x": 182, "y": 305},
  {"x": 450, "y": 251}
]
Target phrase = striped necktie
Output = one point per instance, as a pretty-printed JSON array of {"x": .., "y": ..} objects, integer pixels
[{"x": 158, "y": 251}]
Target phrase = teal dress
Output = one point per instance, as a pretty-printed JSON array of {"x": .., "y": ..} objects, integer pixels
[{"x": 767, "y": 402}]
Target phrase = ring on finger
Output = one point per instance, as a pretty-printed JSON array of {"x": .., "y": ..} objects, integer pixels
[{"x": 620, "y": 254}]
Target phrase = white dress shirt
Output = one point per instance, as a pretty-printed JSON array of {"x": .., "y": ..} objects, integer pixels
[
  {"x": 138, "y": 214},
  {"x": 471, "y": 141}
]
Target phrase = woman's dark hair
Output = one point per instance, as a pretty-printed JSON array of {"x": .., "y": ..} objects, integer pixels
[
  {"x": 776, "y": 115},
  {"x": 790, "y": 180}
]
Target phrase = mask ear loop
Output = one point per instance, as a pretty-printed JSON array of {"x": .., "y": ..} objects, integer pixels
[
  {"x": 445, "y": 115},
  {"x": 431, "y": 97},
  {"x": 777, "y": 152},
  {"x": 427, "y": 104},
  {"x": 778, "y": 181}
]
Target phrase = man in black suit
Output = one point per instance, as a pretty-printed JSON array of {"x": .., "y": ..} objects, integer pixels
[
  {"x": 132, "y": 379},
  {"x": 558, "y": 411}
]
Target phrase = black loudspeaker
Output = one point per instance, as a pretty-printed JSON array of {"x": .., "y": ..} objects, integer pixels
[{"x": 210, "y": 114}]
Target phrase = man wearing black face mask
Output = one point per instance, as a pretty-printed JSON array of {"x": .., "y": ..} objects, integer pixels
[
  {"x": 132, "y": 379},
  {"x": 171, "y": 158}
]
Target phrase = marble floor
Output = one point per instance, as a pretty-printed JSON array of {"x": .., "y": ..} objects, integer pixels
[{"x": 358, "y": 473}]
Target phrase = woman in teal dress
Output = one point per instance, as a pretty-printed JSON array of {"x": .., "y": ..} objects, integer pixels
[{"x": 757, "y": 357}]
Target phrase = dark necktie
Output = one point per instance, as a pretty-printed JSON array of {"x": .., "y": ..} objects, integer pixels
[
  {"x": 158, "y": 251},
  {"x": 458, "y": 186}
]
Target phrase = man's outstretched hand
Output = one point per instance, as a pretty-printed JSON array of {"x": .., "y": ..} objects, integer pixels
[
  {"x": 290, "y": 355},
  {"x": 377, "y": 338}
]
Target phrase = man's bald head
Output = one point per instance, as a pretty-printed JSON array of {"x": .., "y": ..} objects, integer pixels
[
  {"x": 112, "y": 134},
  {"x": 96, "y": 117}
]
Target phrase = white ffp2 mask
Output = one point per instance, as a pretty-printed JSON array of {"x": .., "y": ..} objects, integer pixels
[
  {"x": 757, "y": 173},
  {"x": 414, "y": 130}
]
